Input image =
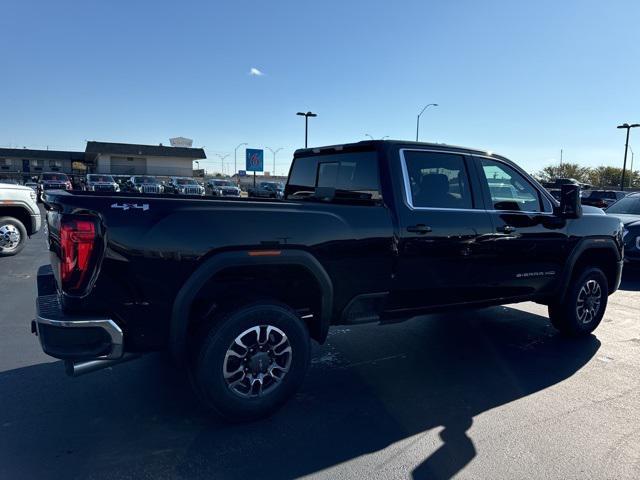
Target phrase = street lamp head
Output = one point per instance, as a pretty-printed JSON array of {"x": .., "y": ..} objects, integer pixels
[
  {"x": 624, "y": 125},
  {"x": 310, "y": 114},
  {"x": 301, "y": 114},
  {"x": 635, "y": 125}
]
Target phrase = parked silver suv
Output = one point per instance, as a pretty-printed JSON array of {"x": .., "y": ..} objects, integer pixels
[{"x": 99, "y": 182}]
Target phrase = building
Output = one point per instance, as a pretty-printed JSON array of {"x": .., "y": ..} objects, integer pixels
[
  {"x": 133, "y": 159},
  {"x": 23, "y": 163}
]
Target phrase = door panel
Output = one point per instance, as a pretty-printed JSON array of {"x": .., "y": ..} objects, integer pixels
[
  {"x": 440, "y": 260},
  {"x": 528, "y": 240}
]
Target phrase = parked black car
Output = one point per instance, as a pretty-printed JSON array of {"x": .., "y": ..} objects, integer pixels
[
  {"x": 267, "y": 190},
  {"x": 145, "y": 184},
  {"x": 602, "y": 198},
  {"x": 628, "y": 211},
  {"x": 184, "y": 186},
  {"x": 222, "y": 188},
  {"x": 374, "y": 231}
]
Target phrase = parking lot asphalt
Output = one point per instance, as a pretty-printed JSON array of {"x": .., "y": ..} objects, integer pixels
[{"x": 492, "y": 393}]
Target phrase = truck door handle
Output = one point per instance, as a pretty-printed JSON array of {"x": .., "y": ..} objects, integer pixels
[
  {"x": 507, "y": 229},
  {"x": 420, "y": 228}
]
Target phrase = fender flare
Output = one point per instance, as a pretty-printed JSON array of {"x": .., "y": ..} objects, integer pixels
[
  {"x": 602, "y": 243},
  {"x": 188, "y": 292}
]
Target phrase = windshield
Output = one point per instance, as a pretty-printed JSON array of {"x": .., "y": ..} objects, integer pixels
[
  {"x": 626, "y": 206},
  {"x": 186, "y": 181},
  {"x": 598, "y": 194},
  {"x": 144, "y": 180},
  {"x": 223, "y": 183},
  {"x": 100, "y": 178},
  {"x": 55, "y": 176}
]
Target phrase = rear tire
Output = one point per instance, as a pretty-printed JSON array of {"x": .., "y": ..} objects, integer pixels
[
  {"x": 13, "y": 235},
  {"x": 252, "y": 361},
  {"x": 583, "y": 306}
]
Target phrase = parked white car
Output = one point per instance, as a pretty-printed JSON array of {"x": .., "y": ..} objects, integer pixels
[{"x": 19, "y": 217}]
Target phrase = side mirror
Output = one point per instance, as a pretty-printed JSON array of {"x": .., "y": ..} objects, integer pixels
[{"x": 570, "y": 202}]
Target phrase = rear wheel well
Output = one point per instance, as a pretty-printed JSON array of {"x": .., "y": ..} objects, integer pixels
[
  {"x": 18, "y": 213},
  {"x": 292, "y": 285},
  {"x": 603, "y": 258}
]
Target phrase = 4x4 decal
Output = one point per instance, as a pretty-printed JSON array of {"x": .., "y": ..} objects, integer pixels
[{"x": 127, "y": 206}]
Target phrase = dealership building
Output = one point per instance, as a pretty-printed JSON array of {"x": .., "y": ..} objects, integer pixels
[
  {"x": 101, "y": 157},
  {"x": 132, "y": 159}
]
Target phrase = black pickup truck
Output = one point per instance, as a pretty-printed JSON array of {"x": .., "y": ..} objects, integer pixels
[{"x": 375, "y": 231}]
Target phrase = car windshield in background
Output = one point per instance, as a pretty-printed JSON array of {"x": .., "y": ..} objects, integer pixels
[
  {"x": 144, "y": 180},
  {"x": 626, "y": 206},
  {"x": 186, "y": 181},
  {"x": 55, "y": 176},
  {"x": 223, "y": 183},
  {"x": 598, "y": 194},
  {"x": 100, "y": 178}
]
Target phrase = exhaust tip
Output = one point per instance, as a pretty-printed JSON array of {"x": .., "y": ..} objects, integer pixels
[{"x": 76, "y": 369}]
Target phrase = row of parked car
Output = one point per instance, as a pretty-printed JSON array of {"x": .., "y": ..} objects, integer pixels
[{"x": 98, "y": 182}]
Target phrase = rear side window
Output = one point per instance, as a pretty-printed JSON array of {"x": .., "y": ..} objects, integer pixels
[
  {"x": 437, "y": 180},
  {"x": 353, "y": 172}
]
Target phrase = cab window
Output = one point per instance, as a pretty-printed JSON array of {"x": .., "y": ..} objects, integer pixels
[
  {"x": 508, "y": 189},
  {"x": 437, "y": 180}
]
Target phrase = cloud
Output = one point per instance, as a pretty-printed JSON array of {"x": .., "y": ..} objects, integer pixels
[{"x": 254, "y": 72}]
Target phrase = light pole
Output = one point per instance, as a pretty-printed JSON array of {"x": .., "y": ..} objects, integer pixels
[
  {"x": 371, "y": 136},
  {"x": 306, "y": 124},
  {"x": 631, "y": 168},
  {"x": 222, "y": 157},
  {"x": 274, "y": 157},
  {"x": 626, "y": 147},
  {"x": 235, "y": 157},
  {"x": 418, "y": 121}
]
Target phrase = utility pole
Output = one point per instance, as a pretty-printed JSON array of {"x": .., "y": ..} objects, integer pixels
[
  {"x": 626, "y": 147},
  {"x": 306, "y": 124},
  {"x": 418, "y": 121}
]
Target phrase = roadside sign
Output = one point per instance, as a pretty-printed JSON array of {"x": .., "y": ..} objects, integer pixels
[
  {"x": 255, "y": 160},
  {"x": 242, "y": 173}
]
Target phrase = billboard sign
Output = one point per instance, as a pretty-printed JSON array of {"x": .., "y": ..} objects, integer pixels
[
  {"x": 181, "y": 142},
  {"x": 255, "y": 160}
]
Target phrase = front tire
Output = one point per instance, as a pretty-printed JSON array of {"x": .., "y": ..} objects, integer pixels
[
  {"x": 583, "y": 306},
  {"x": 252, "y": 361},
  {"x": 13, "y": 235}
]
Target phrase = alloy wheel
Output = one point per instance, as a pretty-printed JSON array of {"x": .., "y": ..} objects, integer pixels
[
  {"x": 257, "y": 361},
  {"x": 589, "y": 300}
]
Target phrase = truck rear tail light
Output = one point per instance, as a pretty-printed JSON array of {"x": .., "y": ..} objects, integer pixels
[{"x": 78, "y": 246}]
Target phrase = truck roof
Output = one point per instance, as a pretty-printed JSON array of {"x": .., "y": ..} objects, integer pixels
[{"x": 405, "y": 143}]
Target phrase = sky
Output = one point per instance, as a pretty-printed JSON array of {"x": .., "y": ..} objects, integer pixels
[{"x": 523, "y": 79}]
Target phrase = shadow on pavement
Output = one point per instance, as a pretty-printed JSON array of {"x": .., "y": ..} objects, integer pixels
[
  {"x": 630, "y": 279},
  {"x": 368, "y": 388}
]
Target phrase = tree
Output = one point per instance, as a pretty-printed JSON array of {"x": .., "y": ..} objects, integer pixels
[
  {"x": 566, "y": 170},
  {"x": 609, "y": 177}
]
